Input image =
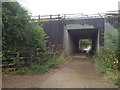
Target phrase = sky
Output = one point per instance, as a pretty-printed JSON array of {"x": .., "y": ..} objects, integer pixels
[{"x": 47, "y": 7}]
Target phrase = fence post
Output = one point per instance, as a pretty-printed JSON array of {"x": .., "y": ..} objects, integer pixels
[
  {"x": 50, "y": 16},
  {"x": 58, "y": 16},
  {"x": 17, "y": 56},
  {"x": 64, "y": 16},
  {"x": 39, "y": 17}
]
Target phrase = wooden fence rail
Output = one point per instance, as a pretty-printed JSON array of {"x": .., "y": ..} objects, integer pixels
[{"x": 9, "y": 63}]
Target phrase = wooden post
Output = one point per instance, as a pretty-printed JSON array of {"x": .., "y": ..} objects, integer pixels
[{"x": 17, "y": 56}]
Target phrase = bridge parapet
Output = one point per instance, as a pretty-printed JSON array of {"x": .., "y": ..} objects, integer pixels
[
  {"x": 72, "y": 16},
  {"x": 95, "y": 27}
]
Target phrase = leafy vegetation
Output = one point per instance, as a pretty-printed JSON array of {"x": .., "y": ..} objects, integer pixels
[
  {"x": 84, "y": 43},
  {"x": 19, "y": 35},
  {"x": 23, "y": 38},
  {"x": 50, "y": 65},
  {"x": 107, "y": 58}
]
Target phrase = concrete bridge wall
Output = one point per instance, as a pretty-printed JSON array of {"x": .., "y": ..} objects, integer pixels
[
  {"x": 55, "y": 29},
  {"x": 59, "y": 31}
]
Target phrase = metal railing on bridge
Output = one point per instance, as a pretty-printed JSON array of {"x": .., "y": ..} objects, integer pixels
[{"x": 73, "y": 16}]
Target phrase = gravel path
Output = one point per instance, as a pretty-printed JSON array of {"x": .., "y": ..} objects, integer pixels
[{"x": 80, "y": 72}]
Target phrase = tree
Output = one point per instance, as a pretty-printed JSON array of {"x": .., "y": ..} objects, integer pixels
[{"x": 19, "y": 34}]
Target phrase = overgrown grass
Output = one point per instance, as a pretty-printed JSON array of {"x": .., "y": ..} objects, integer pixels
[
  {"x": 107, "y": 62},
  {"x": 107, "y": 58},
  {"x": 51, "y": 64}
]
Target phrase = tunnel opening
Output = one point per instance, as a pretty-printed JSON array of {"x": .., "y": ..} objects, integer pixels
[
  {"x": 85, "y": 46},
  {"x": 76, "y": 35}
]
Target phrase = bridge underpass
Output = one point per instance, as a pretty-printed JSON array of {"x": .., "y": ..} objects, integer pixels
[
  {"x": 60, "y": 31},
  {"x": 75, "y": 35},
  {"x": 67, "y": 33}
]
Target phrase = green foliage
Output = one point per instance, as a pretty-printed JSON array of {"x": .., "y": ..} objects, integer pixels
[
  {"x": 85, "y": 43},
  {"x": 19, "y": 34},
  {"x": 107, "y": 58},
  {"x": 15, "y": 25},
  {"x": 51, "y": 64}
]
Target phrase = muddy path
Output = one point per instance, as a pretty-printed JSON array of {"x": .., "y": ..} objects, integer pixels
[{"x": 80, "y": 72}]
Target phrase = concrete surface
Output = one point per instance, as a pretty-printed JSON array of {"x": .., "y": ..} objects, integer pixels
[{"x": 80, "y": 72}]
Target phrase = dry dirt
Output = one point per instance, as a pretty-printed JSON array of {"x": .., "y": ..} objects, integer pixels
[{"x": 80, "y": 72}]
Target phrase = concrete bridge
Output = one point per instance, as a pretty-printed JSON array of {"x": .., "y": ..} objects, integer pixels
[{"x": 68, "y": 32}]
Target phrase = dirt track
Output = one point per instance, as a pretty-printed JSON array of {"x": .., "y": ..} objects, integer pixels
[{"x": 80, "y": 72}]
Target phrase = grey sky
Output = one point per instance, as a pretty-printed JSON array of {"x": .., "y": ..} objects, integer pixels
[{"x": 42, "y": 7}]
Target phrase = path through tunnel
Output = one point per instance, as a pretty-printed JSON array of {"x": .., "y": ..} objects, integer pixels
[{"x": 75, "y": 35}]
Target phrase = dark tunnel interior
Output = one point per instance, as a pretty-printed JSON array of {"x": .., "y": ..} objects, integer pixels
[{"x": 74, "y": 35}]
